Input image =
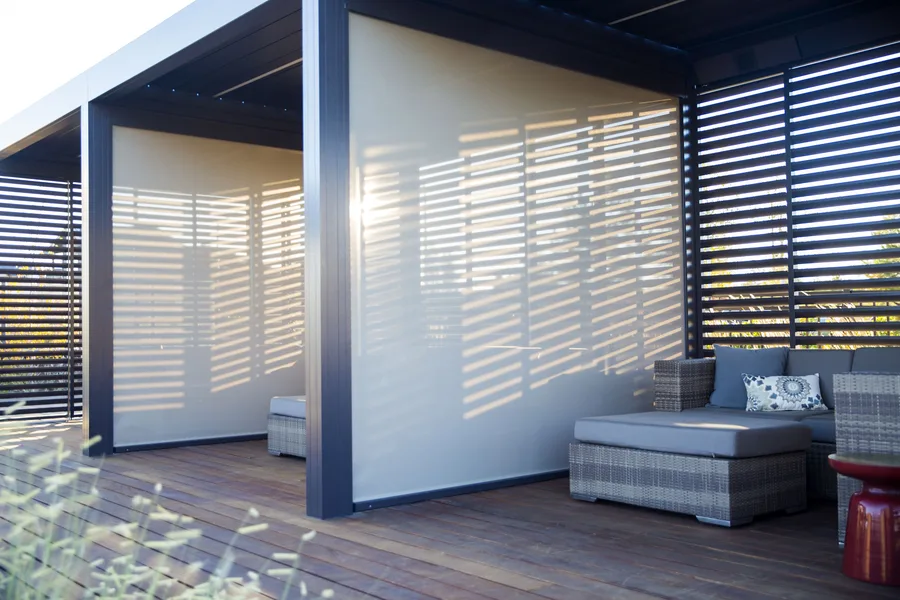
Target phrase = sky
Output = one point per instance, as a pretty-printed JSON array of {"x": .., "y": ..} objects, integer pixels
[{"x": 45, "y": 43}]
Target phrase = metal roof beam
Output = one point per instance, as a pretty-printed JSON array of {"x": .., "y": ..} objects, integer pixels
[{"x": 196, "y": 29}]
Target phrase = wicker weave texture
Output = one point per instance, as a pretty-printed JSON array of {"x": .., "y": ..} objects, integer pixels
[
  {"x": 867, "y": 420},
  {"x": 682, "y": 384},
  {"x": 287, "y": 435},
  {"x": 733, "y": 490},
  {"x": 821, "y": 479},
  {"x": 846, "y": 488}
]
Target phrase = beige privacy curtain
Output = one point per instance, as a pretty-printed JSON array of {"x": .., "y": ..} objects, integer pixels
[{"x": 208, "y": 285}]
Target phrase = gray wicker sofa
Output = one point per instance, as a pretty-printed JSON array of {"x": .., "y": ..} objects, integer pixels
[
  {"x": 687, "y": 385},
  {"x": 724, "y": 465}
]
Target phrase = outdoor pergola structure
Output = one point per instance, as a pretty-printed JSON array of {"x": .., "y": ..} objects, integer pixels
[{"x": 456, "y": 226}]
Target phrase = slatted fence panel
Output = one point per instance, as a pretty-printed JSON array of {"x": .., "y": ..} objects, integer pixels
[
  {"x": 40, "y": 298},
  {"x": 743, "y": 215},
  {"x": 845, "y": 142},
  {"x": 799, "y": 206}
]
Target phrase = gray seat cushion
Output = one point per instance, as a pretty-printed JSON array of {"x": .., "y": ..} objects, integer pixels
[
  {"x": 697, "y": 432},
  {"x": 288, "y": 406},
  {"x": 821, "y": 423},
  {"x": 732, "y": 363},
  {"x": 778, "y": 415},
  {"x": 822, "y": 427},
  {"x": 878, "y": 360},
  {"x": 824, "y": 362}
]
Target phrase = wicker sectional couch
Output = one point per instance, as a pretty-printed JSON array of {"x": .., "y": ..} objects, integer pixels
[
  {"x": 732, "y": 489},
  {"x": 687, "y": 384}
]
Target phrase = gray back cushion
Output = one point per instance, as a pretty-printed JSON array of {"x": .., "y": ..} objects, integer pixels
[
  {"x": 731, "y": 363},
  {"x": 881, "y": 360},
  {"x": 824, "y": 362}
]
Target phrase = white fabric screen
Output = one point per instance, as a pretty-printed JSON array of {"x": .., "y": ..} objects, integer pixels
[
  {"x": 517, "y": 258},
  {"x": 208, "y": 285}
]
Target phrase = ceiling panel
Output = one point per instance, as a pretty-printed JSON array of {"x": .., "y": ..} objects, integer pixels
[
  {"x": 690, "y": 24},
  {"x": 283, "y": 90},
  {"x": 693, "y": 22},
  {"x": 63, "y": 146},
  {"x": 605, "y": 12},
  {"x": 261, "y": 63}
]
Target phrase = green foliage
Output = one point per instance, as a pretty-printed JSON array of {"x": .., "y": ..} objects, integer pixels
[{"x": 48, "y": 537}]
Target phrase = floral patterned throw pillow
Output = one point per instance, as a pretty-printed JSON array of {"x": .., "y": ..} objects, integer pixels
[{"x": 783, "y": 392}]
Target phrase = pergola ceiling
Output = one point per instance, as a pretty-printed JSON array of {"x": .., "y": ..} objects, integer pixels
[
  {"x": 265, "y": 64},
  {"x": 260, "y": 64},
  {"x": 262, "y": 67},
  {"x": 705, "y": 26}
]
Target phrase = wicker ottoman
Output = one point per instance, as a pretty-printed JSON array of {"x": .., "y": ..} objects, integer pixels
[
  {"x": 723, "y": 473},
  {"x": 287, "y": 426}
]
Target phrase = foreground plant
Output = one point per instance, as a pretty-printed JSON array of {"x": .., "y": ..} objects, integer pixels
[{"x": 50, "y": 546}]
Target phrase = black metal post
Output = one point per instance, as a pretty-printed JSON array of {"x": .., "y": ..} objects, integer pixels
[
  {"x": 789, "y": 212},
  {"x": 326, "y": 168},
  {"x": 97, "y": 278},
  {"x": 693, "y": 299},
  {"x": 70, "y": 256}
]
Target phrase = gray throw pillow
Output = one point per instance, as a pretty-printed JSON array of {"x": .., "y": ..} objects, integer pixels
[{"x": 732, "y": 363}]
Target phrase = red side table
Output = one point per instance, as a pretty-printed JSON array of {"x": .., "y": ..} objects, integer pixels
[{"x": 872, "y": 544}]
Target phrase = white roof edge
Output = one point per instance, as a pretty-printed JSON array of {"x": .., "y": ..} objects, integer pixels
[{"x": 189, "y": 25}]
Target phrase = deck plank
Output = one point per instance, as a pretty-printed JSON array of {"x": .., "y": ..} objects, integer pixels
[{"x": 524, "y": 543}]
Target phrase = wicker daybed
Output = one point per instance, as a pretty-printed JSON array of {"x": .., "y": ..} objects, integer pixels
[{"x": 724, "y": 473}]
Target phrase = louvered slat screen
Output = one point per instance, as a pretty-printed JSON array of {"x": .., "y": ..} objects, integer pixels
[
  {"x": 743, "y": 214},
  {"x": 799, "y": 206},
  {"x": 845, "y": 139},
  {"x": 40, "y": 298}
]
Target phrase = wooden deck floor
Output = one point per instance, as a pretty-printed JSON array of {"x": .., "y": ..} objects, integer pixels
[{"x": 524, "y": 543}]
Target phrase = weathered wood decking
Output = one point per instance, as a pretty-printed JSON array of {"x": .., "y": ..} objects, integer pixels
[{"x": 524, "y": 543}]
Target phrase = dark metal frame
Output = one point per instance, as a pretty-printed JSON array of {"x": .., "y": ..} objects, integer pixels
[
  {"x": 228, "y": 131},
  {"x": 690, "y": 209},
  {"x": 472, "y": 488},
  {"x": 808, "y": 39},
  {"x": 693, "y": 292},
  {"x": 788, "y": 188},
  {"x": 98, "y": 121},
  {"x": 326, "y": 137},
  {"x": 97, "y": 277},
  {"x": 529, "y": 30},
  {"x": 231, "y": 439},
  {"x": 70, "y": 408},
  {"x": 40, "y": 169},
  {"x": 188, "y": 114}
]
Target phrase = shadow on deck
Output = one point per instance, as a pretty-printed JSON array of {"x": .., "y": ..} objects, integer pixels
[{"x": 520, "y": 543}]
